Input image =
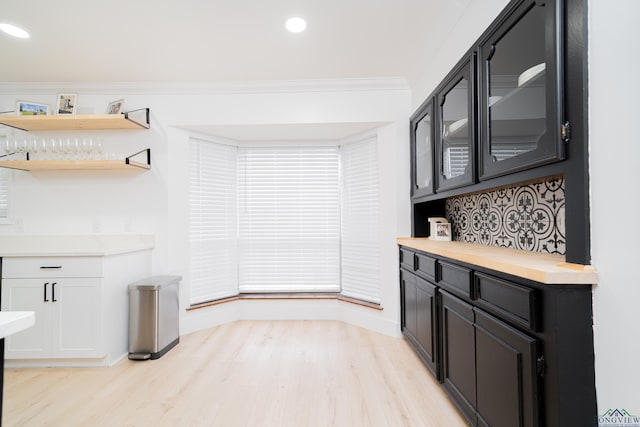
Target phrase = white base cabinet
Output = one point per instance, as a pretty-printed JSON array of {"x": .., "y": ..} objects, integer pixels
[
  {"x": 68, "y": 317},
  {"x": 81, "y": 307}
]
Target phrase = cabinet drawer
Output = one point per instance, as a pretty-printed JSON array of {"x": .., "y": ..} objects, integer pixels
[
  {"x": 425, "y": 266},
  {"x": 48, "y": 267},
  {"x": 456, "y": 279},
  {"x": 407, "y": 259},
  {"x": 508, "y": 300}
]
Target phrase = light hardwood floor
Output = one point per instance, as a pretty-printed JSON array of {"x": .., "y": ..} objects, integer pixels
[{"x": 247, "y": 373}]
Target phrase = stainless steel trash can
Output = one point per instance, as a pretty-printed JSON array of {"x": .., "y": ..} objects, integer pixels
[{"x": 153, "y": 317}]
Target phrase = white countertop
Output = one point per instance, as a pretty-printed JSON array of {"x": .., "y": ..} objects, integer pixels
[
  {"x": 15, "y": 321},
  {"x": 73, "y": 245}
]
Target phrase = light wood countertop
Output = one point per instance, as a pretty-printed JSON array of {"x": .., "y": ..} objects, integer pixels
[{"x": 544, "y": 268}]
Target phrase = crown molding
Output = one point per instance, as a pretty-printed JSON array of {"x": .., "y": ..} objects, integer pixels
[{"x": 187, "y": 88}]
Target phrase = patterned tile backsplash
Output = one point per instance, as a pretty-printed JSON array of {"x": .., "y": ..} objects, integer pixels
[{"x": 528, "y": 217}]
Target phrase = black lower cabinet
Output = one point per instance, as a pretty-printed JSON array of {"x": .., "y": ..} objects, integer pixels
[
  {"x": 458, "y": 353},
  {"x": 489, "y": 368},
  {"x": 508, "y": 351},
  {"x": 506, "y": 375},
  {"x": 427, "y": 332},
  {"x": 420, "y": 320},
  {"x": 410, "y": 300}
]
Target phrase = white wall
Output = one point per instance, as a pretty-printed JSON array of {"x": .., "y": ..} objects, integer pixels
[
  {"x": 431, "y": 67},
  {"x": 614, "y": 153},
  {"x": 614, "y": 148},
  {"x": 156, "y": 201}
]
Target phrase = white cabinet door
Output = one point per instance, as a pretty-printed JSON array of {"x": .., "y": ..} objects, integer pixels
[
  {"x": 68, "y": 318},
  {"x": 77, "y": 318},
  {"x": 29, "y": 295}
]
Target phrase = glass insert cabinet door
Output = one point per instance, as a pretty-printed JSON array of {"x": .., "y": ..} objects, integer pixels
[
  {"x": 422, "y": 148},
  {"x": 519, "y": 94},
  {"x": 455, "y": 131}
]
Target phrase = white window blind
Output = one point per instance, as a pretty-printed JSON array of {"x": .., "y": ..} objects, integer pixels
[
  {"x": 455, "y": 159},
  {"x": 4, "y": 195},
  {"x": 289, "y": 221},
  {"x": 360, "y": 243},
  {"x": 503, "y": 151},
  {"x": 213, "y": 221}
]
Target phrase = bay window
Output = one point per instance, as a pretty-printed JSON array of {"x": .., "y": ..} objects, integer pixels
[{"x": 283, "y": 219}]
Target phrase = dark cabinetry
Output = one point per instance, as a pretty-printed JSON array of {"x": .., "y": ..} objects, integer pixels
[
  {"x": 455, "y": 279},
  {"x": 501, "y": 109},
  {"x": 506, "y": 374},
  {"x": 526, "y": 121},
  {"x": 419, "y": 318},
  {"x": 488, "y": 367},
  {"x": 518, "y": 304},
  {"x": 422, "y": 149},
  {"x": 520, "y": 90},
  {"x": 505, "y": 349},
  {"x": 427, "y": 322},
  {"x": 456, "y": 135},
  {"x": 458, "y": 353},
  {"x": 409, "y": 303}
]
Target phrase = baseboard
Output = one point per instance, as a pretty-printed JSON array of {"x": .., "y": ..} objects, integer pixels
[{"x": 361, "y": 316}]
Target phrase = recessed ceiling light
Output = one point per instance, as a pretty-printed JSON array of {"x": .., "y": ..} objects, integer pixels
[
  {"x": 14, "y": 31},
  {"x": 296, "y": 24}
]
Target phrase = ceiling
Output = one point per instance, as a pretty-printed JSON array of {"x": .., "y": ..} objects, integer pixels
[
  {"x": 193, "y": 42},
  {"x": 219, "y": 40}
]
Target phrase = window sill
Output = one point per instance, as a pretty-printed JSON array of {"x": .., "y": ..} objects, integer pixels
[{"x": 288, "y": 296}]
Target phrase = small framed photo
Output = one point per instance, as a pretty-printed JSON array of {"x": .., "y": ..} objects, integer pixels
[
  {"x": 67, "y": 103},
  {"x": 443, "y": 231},
  {"x": 115, "y": 107},
  {"x": 27, "y": 108}
]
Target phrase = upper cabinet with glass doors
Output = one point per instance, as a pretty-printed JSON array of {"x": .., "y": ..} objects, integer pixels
[
  {"x": 520, "y": 86},
  {"x": 455, "y": 127},
  {"x": 422, "y": 147}
]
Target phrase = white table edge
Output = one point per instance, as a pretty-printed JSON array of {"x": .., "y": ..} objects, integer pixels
[{"x": 15, "y": 321}]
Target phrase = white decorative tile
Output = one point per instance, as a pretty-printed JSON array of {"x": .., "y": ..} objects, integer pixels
[{"x": 529, "y": 217}]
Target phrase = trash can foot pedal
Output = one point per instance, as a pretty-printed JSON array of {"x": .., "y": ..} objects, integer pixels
[{"x": 139, "y": 356}]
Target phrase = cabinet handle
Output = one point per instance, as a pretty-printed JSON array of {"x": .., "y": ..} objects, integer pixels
[
  {"x": 51, "y": 266},
  {"x": 45, "y": 292},
  {"x": 53, "y": 292}
]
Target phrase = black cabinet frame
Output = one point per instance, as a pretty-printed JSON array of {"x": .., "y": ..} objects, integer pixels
[
  {"x": 489, "y": 368},
  {"x": 458, "y": 353},
  {"x": 425, "y": 109},
  {"x": 505, "y": 400},
  {"x": 550, "y": 147},
  {"x": 420, "y": 320},
  {"x": 466, "y": 68}
]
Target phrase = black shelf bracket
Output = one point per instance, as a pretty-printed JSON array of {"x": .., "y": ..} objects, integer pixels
[
  {"x": 134, "y": 116},
  {"x": 144, "y": 165}
]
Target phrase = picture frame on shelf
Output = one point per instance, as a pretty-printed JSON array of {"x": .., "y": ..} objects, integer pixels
[
  {"x": 443, "y": 231},
  {"x": 67, "y": 103},
  {"x": 29, "y": 108},
  {"x": 115, "y": 107}
]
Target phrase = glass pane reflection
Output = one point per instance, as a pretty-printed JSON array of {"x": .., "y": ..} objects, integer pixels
[
  {"x": 455, "y": 131},
  {"x": 517, "y": 95},
  {"x": 423, "y": 153}
]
